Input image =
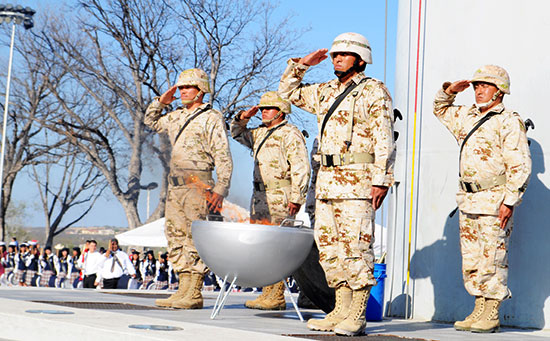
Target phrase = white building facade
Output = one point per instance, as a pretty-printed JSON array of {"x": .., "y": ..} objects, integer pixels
[{"x": 438, "y": 41}]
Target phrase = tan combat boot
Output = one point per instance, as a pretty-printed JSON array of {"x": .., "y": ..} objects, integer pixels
[
  {"x": 466, "y": 324},
  {"x": 337, "y": 315},
  {"x": 276, "y": 298},
  {"x": 184, "y": 278},
  {"x": 253, "y": 304},
  {"x": 193, "y": 296},
  {"x": 488, "y": 321},
  {"x": 355, "y": 322}
]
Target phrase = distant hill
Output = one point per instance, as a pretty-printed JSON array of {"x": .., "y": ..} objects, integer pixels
[{"x": 76, "y": 236}]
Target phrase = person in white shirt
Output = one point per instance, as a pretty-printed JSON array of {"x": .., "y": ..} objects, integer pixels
[
  {"x": 117, "y": 263},
  {"x": 93, "y": 262}
]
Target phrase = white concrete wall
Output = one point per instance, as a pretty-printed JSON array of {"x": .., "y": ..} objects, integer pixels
[{"x": 456, "y": 38}]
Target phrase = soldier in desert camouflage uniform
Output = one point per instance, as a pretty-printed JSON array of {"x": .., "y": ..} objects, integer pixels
[
  {"x": 357, "y": 153},
  {"x": 495, "y": 166},
  {"x": 199, "y": 144},
  {"x": 281, "y": 174}
]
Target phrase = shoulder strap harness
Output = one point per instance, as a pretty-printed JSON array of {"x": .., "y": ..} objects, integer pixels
[
  {"x": 476, "y": 127},
  {"x": 271, "y": 131},
  {"x": 207, "y": 107},
  {"x": 335, "y": 105}
]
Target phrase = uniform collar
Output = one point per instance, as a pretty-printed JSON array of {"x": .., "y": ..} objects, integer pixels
[
  {"x": 356, "y": 79},
  {"x": 497, "y": 108},
  {"x": 283, "y": 122},
  {"x": 200, "y": 107}
]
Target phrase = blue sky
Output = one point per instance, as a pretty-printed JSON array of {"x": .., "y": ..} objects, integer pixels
[{"x": 325, "y": 20}]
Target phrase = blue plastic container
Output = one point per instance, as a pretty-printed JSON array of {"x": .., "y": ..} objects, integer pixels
[{"x": 375, "y": 305}]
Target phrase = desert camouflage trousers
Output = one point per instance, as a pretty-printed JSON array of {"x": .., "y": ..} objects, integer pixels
[
  {"x": 344, "y": 233},
  {"x": 484, "y": 248},
  {"x": 183, "y": 205}
]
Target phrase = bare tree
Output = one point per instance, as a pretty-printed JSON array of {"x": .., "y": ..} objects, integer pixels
[
  {"x": 108, "y": 68},
  {"x": 116, "y": 55},
  {"x": 240, "y": 43},
  {"x": 66, "y": 184},
  {"x": 28, "y": 103}
]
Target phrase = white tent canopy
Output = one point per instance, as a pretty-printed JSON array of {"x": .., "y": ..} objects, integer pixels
[{"x": 151, "y": 235}]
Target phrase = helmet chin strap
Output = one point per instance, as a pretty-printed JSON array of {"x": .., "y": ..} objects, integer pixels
[
  {"x": 268, "y": 122},
  {"x": 343, "y": 74},
  {"x": 481, "y": 106},
  {"x": 190, "y": 101}
]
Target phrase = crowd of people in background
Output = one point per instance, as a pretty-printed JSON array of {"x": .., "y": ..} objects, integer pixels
[{"x": 28, "y": 264}]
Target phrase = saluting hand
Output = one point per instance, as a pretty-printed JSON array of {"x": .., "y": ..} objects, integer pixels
[
  {"x": 457, "y": 87},
  {"x": 314, "y": 58},
  {"x": 168, "y": 96},
  {"x": 249, "y": 113}
]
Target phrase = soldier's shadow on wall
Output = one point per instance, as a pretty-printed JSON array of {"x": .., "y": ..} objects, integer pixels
[
  {"x": 529, "y": 275},
  {"x": 448, "y": 287}
]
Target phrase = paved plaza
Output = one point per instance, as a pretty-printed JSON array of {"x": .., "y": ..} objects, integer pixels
[{"x": 108, "y": 315}]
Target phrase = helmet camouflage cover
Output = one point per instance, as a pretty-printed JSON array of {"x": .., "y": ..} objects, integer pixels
[
  {"x": 354, "y": 43},
  {"x": 194, "y": 77},
  {"x": 494, "y": 75},
  {"x": 272, "y": 99}
]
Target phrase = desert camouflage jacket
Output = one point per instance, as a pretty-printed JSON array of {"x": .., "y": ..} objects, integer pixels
[
  {"x": 202, "y": 146},
  {"x": 283, "y": 156},
  {"x": 370, "y": 130},
  {"x": 498, "y": 147}
]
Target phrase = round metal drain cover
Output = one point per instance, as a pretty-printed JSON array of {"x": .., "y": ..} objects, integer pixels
[
  {"x": 47, "y": 311},
  {"x": 154, "y": 327}
]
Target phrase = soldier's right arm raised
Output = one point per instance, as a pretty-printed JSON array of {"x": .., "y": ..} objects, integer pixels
[
  {"x": 444, "y": 109},
  {"x": 239, "y": 130},
  {"x": 304, "y": 96},
  {"x": 154, "y": 115}
]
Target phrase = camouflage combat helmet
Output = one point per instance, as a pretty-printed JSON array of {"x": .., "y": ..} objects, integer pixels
[
  {"x": 494, "y": 75},
  {"x": 272, "y": 99},
  {"x": 194, "y": 77},
  {"x": 354, "y": 43}
]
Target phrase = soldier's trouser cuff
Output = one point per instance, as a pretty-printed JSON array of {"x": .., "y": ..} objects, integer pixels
[{"x": 499, "y": 297}]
